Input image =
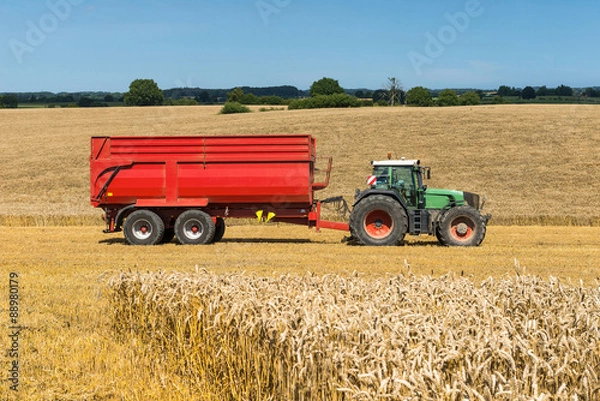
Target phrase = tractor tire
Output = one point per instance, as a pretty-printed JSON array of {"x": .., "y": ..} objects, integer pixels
[
  {"x": 194, "y": 227},
  {"x": 438, "y": 235},
  {"x": 143, "y": 227},
  {"x": 461, "y": 226},
  {"x": 378, "y": 220},
  {"x": 219, "y": 230}
]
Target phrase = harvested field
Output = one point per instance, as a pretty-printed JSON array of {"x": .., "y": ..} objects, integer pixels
[
  {"x": 536, "y": 164},
  {"x": 70, "y": 350}
]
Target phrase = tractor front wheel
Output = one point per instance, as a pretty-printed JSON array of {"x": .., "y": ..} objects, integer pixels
[
  {"x": 461, "y": 226},
  {"x": 378, "y": 220}
]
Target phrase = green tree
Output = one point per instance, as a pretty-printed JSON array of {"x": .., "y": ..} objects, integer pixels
[
  {"x": 528, "y": 93},
  {"x": 470, "y": 99},
  {"x": 85, "y": 102},
  {"x": 508, "y": 91},
  {"x": 249, "y": 98},
  {"x": 419, "y": 96},
  {"x": 447, "y": 97},
  {"x": 340, "y": 100},
  {"x": 235, "y": 95},
  {"x": 325, "y": 86},
  {"x": 543, "y": 91},
  {"x": 233, "y": 108},
  {"x": 9, "y": 101},
  {"x": 272, "y": 100},
  {"x": 591, "y": 92},
  {"x": 564, "y": 90},
  {"x": 203, "y": 97},
  {"x": 144, "y": 92},
  {"x": 379, "y": 95}
]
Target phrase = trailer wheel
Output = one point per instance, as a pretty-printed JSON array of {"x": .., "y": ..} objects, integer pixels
[
  {"x": 194, "y": 227},
  {"x": 378, "y": 220},
  {"x": 462, "y": 226},
  {"x": 143, "y": 227},
  {"x": 219, "y": 230}
]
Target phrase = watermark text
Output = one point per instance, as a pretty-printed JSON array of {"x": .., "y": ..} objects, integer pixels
[
  {"x": 38, "y": 31},
  {"x": 14, "y": 331},
  {"x": 436, "y": 44},
  {"x": 267, "y": 8}
]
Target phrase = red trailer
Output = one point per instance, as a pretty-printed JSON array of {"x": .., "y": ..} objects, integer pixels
[{"x": 155, "y": 188}]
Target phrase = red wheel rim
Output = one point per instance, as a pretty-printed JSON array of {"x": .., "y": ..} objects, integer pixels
[
  {"x": 462, "y": 228},
  {"x": 378, "y": 224}
]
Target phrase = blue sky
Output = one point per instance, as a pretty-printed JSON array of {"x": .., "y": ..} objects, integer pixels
[{"x": 80, "y": 45}]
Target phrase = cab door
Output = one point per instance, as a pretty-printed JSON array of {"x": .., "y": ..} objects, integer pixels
[{"x": 404, "y": 183}]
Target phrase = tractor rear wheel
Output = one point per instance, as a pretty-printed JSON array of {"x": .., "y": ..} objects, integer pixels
[
  {"x": 461, "y": 226},
  {"x": 378, "y": 220},
  {"x": 143, "y": 227},
  {"x": 194, "y": 227}
]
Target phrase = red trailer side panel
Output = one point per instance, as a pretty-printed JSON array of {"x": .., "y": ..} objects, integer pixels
[{"x": 231, "y": 171}]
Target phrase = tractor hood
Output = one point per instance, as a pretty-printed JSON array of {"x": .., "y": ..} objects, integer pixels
[{"x": 437, "y": 198}]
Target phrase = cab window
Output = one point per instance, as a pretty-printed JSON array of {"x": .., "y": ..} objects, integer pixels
[{"x": 405, "y": 185}]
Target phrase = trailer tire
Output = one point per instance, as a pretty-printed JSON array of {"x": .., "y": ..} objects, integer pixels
[
  {"x": 143, "y": 227},
  {"x": 378, "y": 220},
  {"x": 462, "y": 226},
  {"x": 194, "y": 227},
  {"x": 219, "y": 230}
]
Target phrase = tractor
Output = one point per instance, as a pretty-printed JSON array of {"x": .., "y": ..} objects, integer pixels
[{"x": 398, "y": 203}]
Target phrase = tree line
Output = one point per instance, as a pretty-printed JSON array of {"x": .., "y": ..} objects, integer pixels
[
  {"x": 325, "y": 92},
  {"x": 530, "y": 92}
]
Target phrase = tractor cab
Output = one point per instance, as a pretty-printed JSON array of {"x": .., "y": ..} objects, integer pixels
[{"x": 405, "y": 177}]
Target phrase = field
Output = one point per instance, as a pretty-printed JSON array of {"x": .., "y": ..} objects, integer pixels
[{"x": 538, "y": 166}]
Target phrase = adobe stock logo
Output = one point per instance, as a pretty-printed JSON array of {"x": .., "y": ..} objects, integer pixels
[
  {"x": 436, "y": 45},
  {"x": 37, "y": 32},
  {"x": 266, "y": 8}
]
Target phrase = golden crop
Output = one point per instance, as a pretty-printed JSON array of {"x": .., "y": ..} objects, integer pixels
[
  {"x": 244, "y": 337},
  {"x": 69, "y": 347},
  {"x": 536, "y": 164}
]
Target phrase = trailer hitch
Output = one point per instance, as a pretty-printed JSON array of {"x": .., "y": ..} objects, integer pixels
[{"x": 339, "y": 204}]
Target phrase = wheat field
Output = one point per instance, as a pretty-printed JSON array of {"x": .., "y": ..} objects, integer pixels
[
  {"x": 537, "y": 165},
  {"x": 71, "y": 348},
  {"x": 345, "y": 338}
]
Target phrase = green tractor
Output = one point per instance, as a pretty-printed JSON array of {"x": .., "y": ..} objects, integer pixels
[{"x": 397, "y": 203}]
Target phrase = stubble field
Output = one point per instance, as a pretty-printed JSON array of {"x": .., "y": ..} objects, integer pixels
[{"x": 538, "y": 166}]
